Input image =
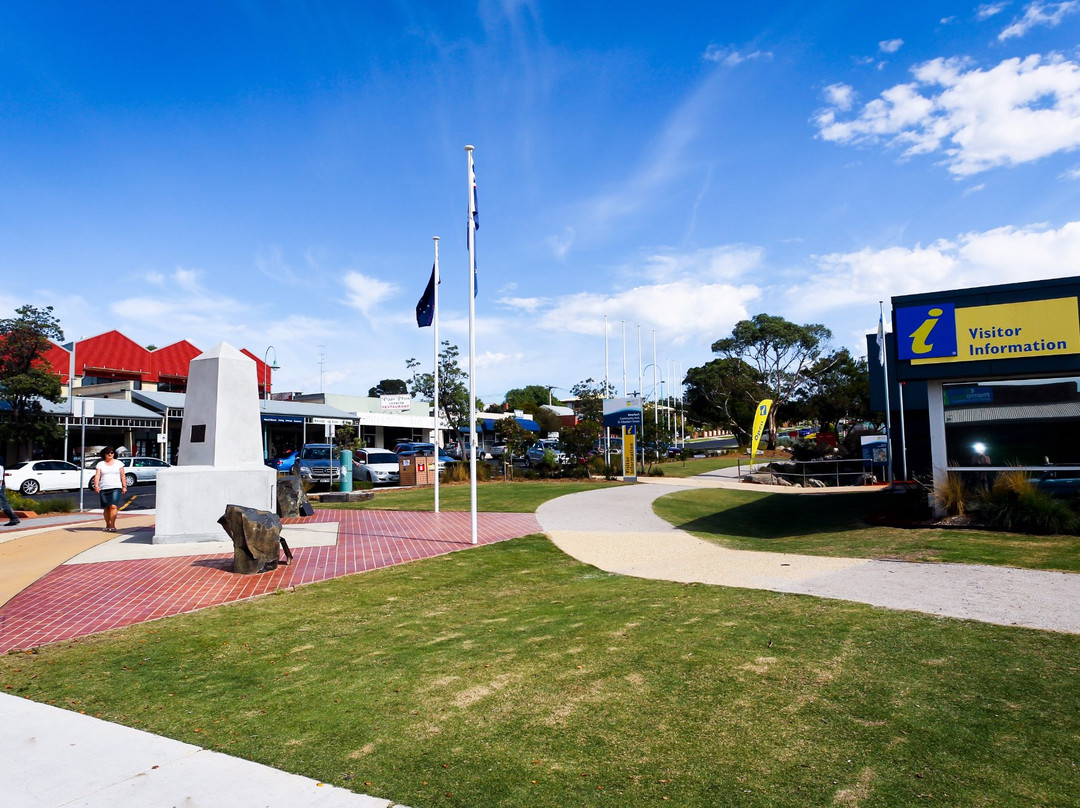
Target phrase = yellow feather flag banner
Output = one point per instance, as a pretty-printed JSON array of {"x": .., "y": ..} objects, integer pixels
[{"x": 760, "y": 419}]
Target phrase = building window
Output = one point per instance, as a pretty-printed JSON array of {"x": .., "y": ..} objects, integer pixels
[{"x": 1030, "y": 423}]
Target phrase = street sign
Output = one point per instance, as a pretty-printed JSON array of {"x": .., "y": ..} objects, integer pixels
[
  {"x": 622, "y": 412},
  {"x": 330, "y": 421}
]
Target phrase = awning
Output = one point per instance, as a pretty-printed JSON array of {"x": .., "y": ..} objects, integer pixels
[{"x": 488, "y": 424}]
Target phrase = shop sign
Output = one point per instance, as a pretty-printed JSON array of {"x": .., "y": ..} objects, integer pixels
[{"x": 940, "y": 332}]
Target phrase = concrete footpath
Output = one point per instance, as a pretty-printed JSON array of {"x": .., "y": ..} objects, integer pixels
[{"x": 616, "y": 530}]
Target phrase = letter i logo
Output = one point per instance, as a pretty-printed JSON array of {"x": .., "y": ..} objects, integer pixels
[{"x": 919, "y": 345}]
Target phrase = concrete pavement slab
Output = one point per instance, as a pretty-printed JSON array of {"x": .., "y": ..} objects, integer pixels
[{"x": 57, "y": 758}]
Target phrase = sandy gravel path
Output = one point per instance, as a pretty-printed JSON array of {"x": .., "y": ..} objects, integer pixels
[{"x": 616, "y": 530}]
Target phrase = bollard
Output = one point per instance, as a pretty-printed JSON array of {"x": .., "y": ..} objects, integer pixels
[{"x": 345, "y": 483}]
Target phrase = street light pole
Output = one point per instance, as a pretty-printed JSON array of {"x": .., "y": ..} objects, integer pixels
[{"x": 266, "y": 396}]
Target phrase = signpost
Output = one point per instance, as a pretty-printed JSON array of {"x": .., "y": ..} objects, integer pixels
[{"x": 626, "y": 413}]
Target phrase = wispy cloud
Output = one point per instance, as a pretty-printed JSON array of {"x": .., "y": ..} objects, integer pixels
[
  {"x": 730, "y": 56},
  {"x": 988, "y": 10},
  {"x": 1037, "y": 14},
  {"x": 1016, "y": 112},
  {"x": 890, "y": 45},
  {"x": 365, "y": 293}
]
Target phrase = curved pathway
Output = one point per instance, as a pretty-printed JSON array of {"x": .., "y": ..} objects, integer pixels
[{"x": 616, "y": 530}]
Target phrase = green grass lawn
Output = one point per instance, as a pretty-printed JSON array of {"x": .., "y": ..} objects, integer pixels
[
  {"x": 512, "y": 675},
  {"x": 492, "y": 497},
  {"x": 832, "y": 524},
  {"x": 698, "y": 465}
]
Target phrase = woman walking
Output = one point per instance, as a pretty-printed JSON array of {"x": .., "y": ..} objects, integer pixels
[{"x": 110, "y": 481}]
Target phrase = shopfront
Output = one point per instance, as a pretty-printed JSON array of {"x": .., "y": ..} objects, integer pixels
[{"x": 998, "y": 370}]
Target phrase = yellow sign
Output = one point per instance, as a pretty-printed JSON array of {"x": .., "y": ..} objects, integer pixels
[
  {"x": 629, "y": 454},
  {"x": 1009, "y": 331},
  {"x": 761, "y": 417}
]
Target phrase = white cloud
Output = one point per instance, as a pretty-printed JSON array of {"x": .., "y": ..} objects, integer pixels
[
  {"x": 731, "y": 57},
  {"x": 840, "y": 96},
  {"x": 890, "y": 45},
  {"x": 529, "y": 304},
  {"x": 988, "y": 10},
  {"x": 491, "y": 359},
  {"x": 1002, "y": 255},
  {"x": 1016, "y": 112},
  {"x": 1049, "y": 14},
  {"x": 365, "y": 293},
  {"x": 709, "y": 264}
]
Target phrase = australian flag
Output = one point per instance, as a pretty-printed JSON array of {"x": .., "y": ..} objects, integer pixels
[{"x": 425, "y": 309}]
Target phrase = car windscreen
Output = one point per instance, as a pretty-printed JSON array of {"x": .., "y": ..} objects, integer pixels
[
  {"x": 381, "y": 457},
  {"x": 322, "y": 453},
  {"x": 23, "y": 463}
]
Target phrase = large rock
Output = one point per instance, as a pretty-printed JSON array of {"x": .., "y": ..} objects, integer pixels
[
  {"x": 256, "y": 538},
  {"x": 290, "y": 496}
]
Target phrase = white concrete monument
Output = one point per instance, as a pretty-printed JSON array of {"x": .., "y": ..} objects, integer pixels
[{"x": 220, "y": 461}]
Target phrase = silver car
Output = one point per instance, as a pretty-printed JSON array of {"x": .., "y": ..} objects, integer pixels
[{"x": 139, "y": 469}]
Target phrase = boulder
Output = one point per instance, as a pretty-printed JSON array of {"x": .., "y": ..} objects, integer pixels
[
  {"x": 290, "y": 496},
  {"x": 256, "y": 538}
]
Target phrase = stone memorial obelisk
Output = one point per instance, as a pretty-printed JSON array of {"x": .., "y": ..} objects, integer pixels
[{"x": 220, "y": 460}]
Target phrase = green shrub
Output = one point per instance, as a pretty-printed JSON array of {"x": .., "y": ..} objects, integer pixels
[
  {"x": 953, "y": 495},
  {"x": 362, "y": 485},
  {"x": 578, "y": 471},
  {"x": 1015, "y": 504},
  {"x": 655, "y": 471},
  {"x": 20, "y": 503}
]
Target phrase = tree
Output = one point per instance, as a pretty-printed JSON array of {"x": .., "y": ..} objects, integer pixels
[
  {"x": 783, "y": 353},
  {"x": 453, "y": 388},
  {"x": 724, "y": 392},
  {"x": 389, "y": 387},
  {"x": 839, "y": 389},
  {"x": 529, "y": 398},
  {"x": 547, "y": 420},
  {"x": 26, "y": 379},
  {"x": 580, "y": 439},
  {"x": 591, "y": 395},
  {"x": 516, "y": 437}
]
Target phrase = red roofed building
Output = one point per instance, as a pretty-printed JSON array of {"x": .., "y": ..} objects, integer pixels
[{"x": 112, "y": 358}]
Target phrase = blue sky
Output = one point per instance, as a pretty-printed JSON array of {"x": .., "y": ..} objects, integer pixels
[{"x": 272, "y": 173}]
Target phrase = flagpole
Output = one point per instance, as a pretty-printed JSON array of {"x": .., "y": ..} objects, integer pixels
[
  {"x": 607, "y": 432},
  {"x": 885, "y": 375},
  {"x": 472, "y": 342},
  {"x": 438, "y": 431},
  {"x": 903, "y": 432}
]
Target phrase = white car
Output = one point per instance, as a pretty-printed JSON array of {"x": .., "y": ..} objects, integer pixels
[
  {"x": 31, "y": 476},
  {"x": 376, "y": 466}
]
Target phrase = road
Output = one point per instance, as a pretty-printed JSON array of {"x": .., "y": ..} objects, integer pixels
[{"x": 140, "y": 497}]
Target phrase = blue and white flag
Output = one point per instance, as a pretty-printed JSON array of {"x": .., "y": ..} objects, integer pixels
[
  {"x": 425, "y": 308},
  {"x": 474, "y": 223}
]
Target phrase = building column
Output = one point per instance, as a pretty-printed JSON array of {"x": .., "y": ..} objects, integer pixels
[{"x": 939, "y": 460}]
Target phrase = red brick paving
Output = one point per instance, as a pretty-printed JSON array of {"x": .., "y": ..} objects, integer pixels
[{"x": 79, "y": 599}]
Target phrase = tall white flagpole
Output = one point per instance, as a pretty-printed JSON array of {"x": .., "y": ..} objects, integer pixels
[
  {"x": 438, "y": 431},
  {"x": 607, "y": 433},
  {"x": 655, "y": 394},
  {"x": 472, "y": 342},
  {"x": 885, "y": 375},
  {"x": 623, "y": 357}
]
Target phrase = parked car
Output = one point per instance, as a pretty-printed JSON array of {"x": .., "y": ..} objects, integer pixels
[
  {"x": 139, "y": 469},
  {"x": 376, "y": 466},
  {"x": 498, "y": 450},
  {"x": 31, "y": 476},
  {"x": 1060, "y": 483},
  {"x": 409, "y": 448},
  {"x": 285, "y": 462},
  {"x": 319, "y": 463},
  {"x": 538, "y": 451}
]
